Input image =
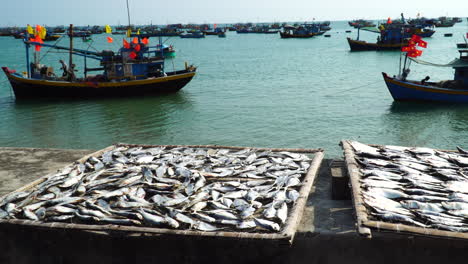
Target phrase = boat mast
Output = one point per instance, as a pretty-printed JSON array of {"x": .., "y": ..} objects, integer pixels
[
  {"x": 128, "y": 14},
  {"x": 70, "y": 60}
]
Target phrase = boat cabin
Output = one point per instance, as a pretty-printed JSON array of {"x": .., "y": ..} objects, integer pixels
[{"x": 461, "y": 68}]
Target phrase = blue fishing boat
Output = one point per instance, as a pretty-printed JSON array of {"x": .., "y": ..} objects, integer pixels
[
  {"x": 455, "y": 90},
  {"x": 136, "y": 69}
]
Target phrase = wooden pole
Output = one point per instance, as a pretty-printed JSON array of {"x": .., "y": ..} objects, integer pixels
[{"x": 353, "y": 170}]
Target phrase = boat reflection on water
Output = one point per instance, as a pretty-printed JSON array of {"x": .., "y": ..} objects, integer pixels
[{"x": 93, "y": 124}]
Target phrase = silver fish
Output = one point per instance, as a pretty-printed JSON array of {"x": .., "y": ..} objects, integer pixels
[
  {"x": 202, "y": 226},
  {"x": 282, "y": 213},
  {"x": 151, "y": 218},
  {"x": 266, "y": 224}
]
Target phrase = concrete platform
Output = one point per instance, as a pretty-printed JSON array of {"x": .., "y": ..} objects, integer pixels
[{"x": 326, "y": 234}]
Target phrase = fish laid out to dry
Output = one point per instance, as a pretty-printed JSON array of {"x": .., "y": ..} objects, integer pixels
[
  {"x": 182, "y": 188},
  {"x": 416, "y": 186}
]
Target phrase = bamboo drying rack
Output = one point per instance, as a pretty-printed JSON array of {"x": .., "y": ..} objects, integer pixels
[
  {"x": 364, "y": 225},
  {"x": 285, "y": 236}
]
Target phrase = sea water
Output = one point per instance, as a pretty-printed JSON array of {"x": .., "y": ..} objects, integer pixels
[{"x": 250, "y": 90}]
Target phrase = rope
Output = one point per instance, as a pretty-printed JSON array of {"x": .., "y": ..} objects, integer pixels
[
  {"x": 353, "y": 88},
  {"x": 49, "y": 50}
]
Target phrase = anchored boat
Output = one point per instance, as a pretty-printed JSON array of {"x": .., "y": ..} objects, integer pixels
[
  {"x": 136, "y": 69},
  {"x": 455, "y": 90}
]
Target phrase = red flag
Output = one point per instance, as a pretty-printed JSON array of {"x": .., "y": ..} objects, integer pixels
[
  {"x": 145, "y": 41},
  {"x": 214, "y": 26},
  {"x": 411, "y": 43},
  {"x": 414, "y": 53},
  {"x": 389, "y": 21},
  {"x": 422, "y": 44},
  {"x": 110, "y": 40},
  {"x": 135, "y": 40},
  {"x": 132, "y": 55},
  {"x": 416, "y": 38},
  {"x": 38, "y": 29},
  {"x": 37, "y": 48},
  {"x": 406, "y": 49},
  {"x": 137, "y": 47},
  {"x": 126, "y": 44}
]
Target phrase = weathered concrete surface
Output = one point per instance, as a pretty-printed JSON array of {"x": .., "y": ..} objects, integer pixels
[
  {"x": 326, "y": 234},
  {"x": 20, "y": 166}
]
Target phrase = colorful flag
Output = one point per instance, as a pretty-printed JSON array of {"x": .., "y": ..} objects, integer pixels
[
  {"x": 37, "y": 48},
  {"x": 132, "y": 55},
  {"x": 135, "y": 40},
  {"x": 110, "y": 40},
  {"x": 129, "y": 33},
  {"x": 138, "y": 32},
  {"x": 126, "y": 44},
  {"x": 214, "y": 26},
  {"x": 389, "y": 20},
  {"x": 38, "y": 29},
  {"x": 30, "y": 30},
  {"x": 108, "y": 29},
  {"x": 42, "y": 33},
  {"x": 145, "y": 41},
  {"x": 137, "y": 47}
]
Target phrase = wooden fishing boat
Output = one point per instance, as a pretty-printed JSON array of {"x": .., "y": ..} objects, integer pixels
[
  {"x": 360, "y": 45},
  {"x": 455, "y": 90},
  {"x": 302, "y": 31},
  {"x": 137, "y": 69},
  {"x": 52, "y": 37}
]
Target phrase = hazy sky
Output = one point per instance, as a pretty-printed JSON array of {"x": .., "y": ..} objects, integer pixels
[{"x": 113, "y": 12}]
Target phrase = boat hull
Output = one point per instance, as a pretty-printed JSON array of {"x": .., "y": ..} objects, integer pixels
[
  {"x": 309, "y": 35},
  {"x": 415, "y": 91},
  {"x": 359, "y": 45},
  {"x": 31, "y": 88}
]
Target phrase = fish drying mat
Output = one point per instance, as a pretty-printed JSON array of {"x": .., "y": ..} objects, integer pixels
[
  {"x": 365, "y": 223},
  {"x": 284, "y": 236}
]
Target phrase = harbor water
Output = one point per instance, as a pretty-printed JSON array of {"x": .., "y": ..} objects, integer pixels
[{"x": 250, "y": 90}]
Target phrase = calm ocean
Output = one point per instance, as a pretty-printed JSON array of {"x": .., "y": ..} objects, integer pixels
[{"x": 250, "y": 90}]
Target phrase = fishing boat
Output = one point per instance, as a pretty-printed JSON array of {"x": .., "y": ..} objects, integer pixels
[
  {"x": 455, "y": 90},
  {"x": 389, "y": 39},
  {"x": 302, "y": 31},
  {"x": 359, "y": 23},
  {"x": 167, "y": 50},
  {"x": 195, "y": 34},
  {"x": 136, "y": 69}
]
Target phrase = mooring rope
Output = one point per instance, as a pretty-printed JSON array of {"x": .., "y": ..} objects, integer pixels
[{"x": 354, "y": 88}]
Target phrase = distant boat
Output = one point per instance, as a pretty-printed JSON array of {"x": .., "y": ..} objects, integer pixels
[
  {"x": 455, "y": 90},
  {"x": 222, "y": 35},
  {"x": 302, "y": 31},
  {"x": 196, "y": 34}
]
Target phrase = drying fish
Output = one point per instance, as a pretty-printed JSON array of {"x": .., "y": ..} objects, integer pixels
[
  {"x": 177, "y": 188},
  {"x": 266, "y": 224}
]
